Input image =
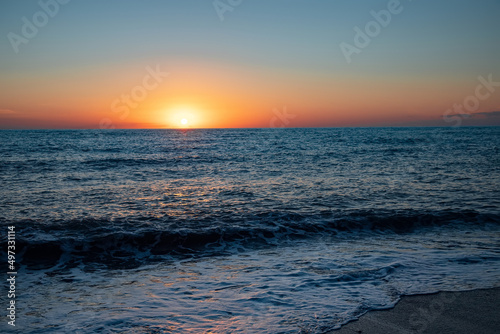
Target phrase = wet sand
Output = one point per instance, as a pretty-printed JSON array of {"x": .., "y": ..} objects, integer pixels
[{"x": 476, "y": 311}]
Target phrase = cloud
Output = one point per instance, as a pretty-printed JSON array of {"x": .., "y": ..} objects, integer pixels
[
  {"x": 495, "y": 113},
  {"x": 7, "y": 112}
]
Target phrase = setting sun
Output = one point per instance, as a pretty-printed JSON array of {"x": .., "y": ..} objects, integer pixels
[{"x": 183, "y": 116}]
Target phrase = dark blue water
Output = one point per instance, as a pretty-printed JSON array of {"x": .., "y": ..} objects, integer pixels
[{"x": 252, "y": 230}]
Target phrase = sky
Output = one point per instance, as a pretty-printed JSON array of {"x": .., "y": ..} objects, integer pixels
[{"x": 248, "y": 63}]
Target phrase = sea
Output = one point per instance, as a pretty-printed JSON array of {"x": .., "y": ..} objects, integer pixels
[{"x": 242, "y": 230}]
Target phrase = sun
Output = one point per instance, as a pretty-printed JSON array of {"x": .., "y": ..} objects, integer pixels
[{"x": 184, "y": 117}]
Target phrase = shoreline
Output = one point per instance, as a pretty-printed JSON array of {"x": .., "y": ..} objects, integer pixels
[{"x": 473, "y": 311}]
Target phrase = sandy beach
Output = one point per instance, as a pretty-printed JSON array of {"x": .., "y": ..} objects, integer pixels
[{"x": 445, "y": 312}]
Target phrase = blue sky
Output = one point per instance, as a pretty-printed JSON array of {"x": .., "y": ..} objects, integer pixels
[{"x": 445, "y": 43}]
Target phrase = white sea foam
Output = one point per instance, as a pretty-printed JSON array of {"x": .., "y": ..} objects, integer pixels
[{"x": 296, "y": 286}]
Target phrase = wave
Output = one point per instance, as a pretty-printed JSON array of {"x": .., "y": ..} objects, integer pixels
[{"x": 130, "y": 243}]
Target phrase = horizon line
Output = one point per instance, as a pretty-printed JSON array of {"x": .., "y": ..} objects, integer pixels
[{"x": 262, "y": 128}]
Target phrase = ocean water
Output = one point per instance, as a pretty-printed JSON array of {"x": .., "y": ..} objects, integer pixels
[{"x": 243, "y": 230}]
